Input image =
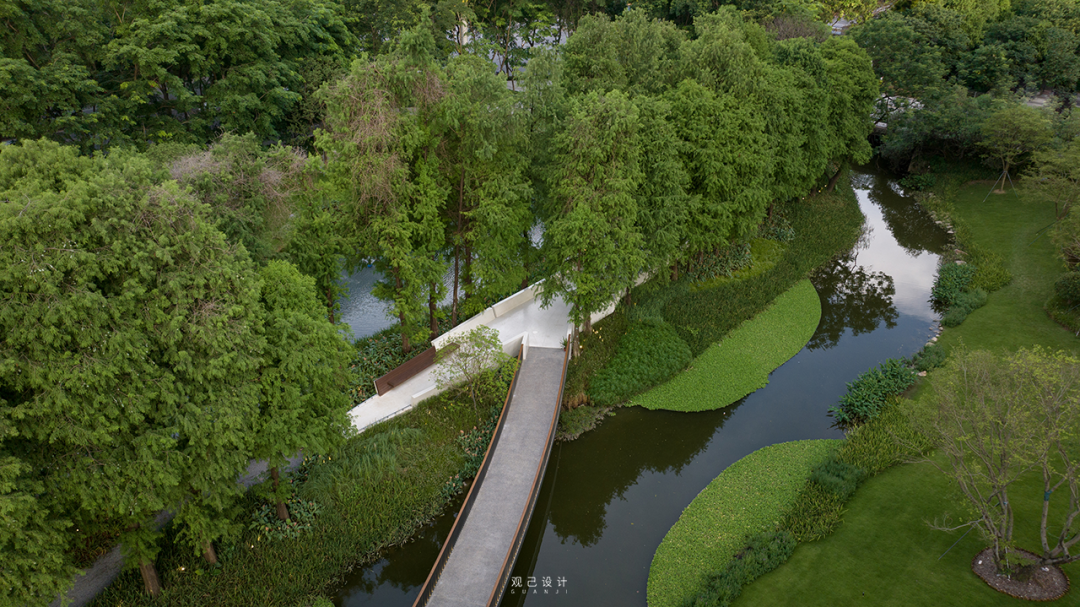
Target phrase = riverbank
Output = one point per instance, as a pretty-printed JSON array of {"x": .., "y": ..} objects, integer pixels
[
  {"x": 887, "y": 539},
  {"x": 824, "y": 226},
  {"x": 376, "y": 492}
]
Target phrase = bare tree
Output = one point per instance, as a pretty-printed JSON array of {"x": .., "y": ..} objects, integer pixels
[
  {"x": 998, "y": 418},
  {"x": 984, "y": 428}
]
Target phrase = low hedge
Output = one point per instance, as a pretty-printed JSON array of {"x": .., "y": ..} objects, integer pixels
[
  {"x": 747, "y": 498},
  {"x": 870, "y": 391},
  {"x": 648, "y": 354},
  {"x": 741, "y": 363},
  {"x": 761, "y": 554}
]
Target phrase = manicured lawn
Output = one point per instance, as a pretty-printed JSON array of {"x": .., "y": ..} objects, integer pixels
[
  {"x": 742, "y": 361},
  {"x": 885, "y": 553},
  {"x": 1013, "y": 316},
  {"x": 748, "y": 497}
]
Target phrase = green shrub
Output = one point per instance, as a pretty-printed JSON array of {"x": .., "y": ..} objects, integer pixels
[
  {"x": 761, "y": 554},
  {"x": 885, "y": 441},
  {"x": 597, "y": 350},
  {"x": 930, "y": 357},
  {"x": 868, "y": 393},
  {"x": 881, "y": 443},
  {"x": 917, "y": 182},
  {"x": 950, "y": 283},
  {"x": 1068, "y": 287},
  {"x": 838, "y": 477},
  {"x": 647, "y": 355},
  {"x": 968, "y": 302},
  {"x": 723, "y": 262}
]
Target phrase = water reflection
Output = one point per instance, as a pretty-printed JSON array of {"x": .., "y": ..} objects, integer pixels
[
  {"x": 609, "y": 498},
  {"x": 600, "y": 473},
  {"x": 852, "y": 297}
]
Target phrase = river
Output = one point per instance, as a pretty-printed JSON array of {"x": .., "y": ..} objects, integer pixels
[{"x": 609, "y": 497}]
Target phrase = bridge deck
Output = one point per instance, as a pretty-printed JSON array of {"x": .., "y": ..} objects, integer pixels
[{"x": 487, "y": 545}]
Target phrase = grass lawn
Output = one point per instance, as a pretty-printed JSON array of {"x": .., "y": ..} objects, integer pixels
[
  {"x": 742, "y": 361},
  {"x": 885, "y": 554},
  {"x": 748, "y": 497},
  {"x": 1013, "y": 316}
]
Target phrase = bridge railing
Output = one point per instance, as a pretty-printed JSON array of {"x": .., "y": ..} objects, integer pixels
[{"x": 466, "y": 507}]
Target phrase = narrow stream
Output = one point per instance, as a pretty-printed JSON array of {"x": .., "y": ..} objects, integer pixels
[{"x": 609, "y": 497}]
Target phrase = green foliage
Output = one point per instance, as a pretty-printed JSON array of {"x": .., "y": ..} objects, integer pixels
[
  {"x": 1068, "y": 287},
  {"x": 825, "y": 225},
  {"x": 838, "y": 477},
  {"x": 123, "y": 292},
  {"x": 592, "y": 233},
  {"x": 930, "y": 357},
  {"x": 884, "y": 441},
  {"x": 597, "y": 351},
  {"x": 470, "y": 360},
  {"x": 724, "y": 262},
  {"x": 968, "y": 302},
  {"x": 741, "y": 363},
  {"x": 918, "y": 182},
  {"x": 302, "y": 515},
  {"x": 869, "y": 393},
  {"x": 374, "y": 492},
  {"x": 1013, "y": 131},
  {"x": 951, "y": 282},
  {"x": 176, "y": 70},
  {"x": 647, "y": 355},
  {"x": 761, "y": 553},
  {"x": 747, "y": 498}
]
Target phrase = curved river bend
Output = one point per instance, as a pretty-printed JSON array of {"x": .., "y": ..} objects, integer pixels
[{"x": 609, "y": 497}]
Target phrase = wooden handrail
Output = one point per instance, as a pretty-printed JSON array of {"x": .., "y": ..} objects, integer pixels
[
  {"x": 538, "y": 479},
  {"x": 466, "y": 507}
]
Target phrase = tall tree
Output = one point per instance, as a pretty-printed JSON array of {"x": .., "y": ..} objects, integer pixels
[
  {"x": 380, "y": 139},
  {"x": 591, "y": 239},
  {"x": 303, "y": 404},
  {"x": 482, "y": 161},
  {"x": 128, "y": 340}
]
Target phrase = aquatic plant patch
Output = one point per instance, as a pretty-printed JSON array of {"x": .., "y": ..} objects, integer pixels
[
  {"x": 741, "y": 363},
  {"x": 747, "y": 498}
]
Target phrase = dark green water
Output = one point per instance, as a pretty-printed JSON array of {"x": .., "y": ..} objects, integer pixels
[{"x": 609, "y": 497}]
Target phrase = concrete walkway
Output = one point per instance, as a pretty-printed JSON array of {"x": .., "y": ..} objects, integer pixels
[
  {"x": 490, "y": 536},
  {"x": 518, "y": 316}
]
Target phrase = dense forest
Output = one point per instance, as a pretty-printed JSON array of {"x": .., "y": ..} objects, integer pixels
[{"x": 183, "y": 183}]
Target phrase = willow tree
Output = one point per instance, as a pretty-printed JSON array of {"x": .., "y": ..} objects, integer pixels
[
  {"x": 591, "y": 240},
  {"x": 128, "y": 342},
  {"x": 380, "y": 145}
]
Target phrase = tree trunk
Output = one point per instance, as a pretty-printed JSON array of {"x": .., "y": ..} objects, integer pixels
[
  {"x": 151, "y": 583},
  {"x": 405, "y": 347},
  {"x": 432, "y": 311},
  {"x": 330, "y": 303},
  {"x": 282, "y": 509},
  {"x": 467, "y": 279},
  {"x": 627, "y": 300},
  {"x": 675, "y": 271},
  {"x": 832, "y": 180},
  {"x": 209, "y": 554},
  {"x": 586, "y": 327},
  {"x": 453, "y": 302}
]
